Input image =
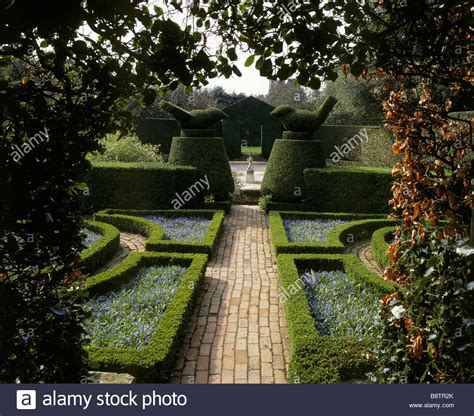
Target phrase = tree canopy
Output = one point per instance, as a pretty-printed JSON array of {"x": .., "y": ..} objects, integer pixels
[{"x": 68, "y": 73}]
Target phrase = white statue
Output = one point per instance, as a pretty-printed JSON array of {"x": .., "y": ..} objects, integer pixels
[
  {"x": 250, "y": 166},
  {"x": 250, "y": 173}
]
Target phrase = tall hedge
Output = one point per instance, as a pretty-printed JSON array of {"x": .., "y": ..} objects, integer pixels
[
  {"x": 208, "y": 155},
  {"x": 284, "y": 179},
  {"x": 270, "y": 132},
  {"x": 231, "y": 133},
  {"x": 377, "y": 150},
  {"x": 364, "y": 190},
  {"x": 138, "y": 185},
  {"x": 332, "y": 136},
  {"x": 252, "y": 113},
  {"x": 158, "y": 131}
]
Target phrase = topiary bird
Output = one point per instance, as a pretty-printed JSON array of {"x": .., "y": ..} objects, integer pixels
[
  {"x": 196, "y": 119},
  {"x": 303, "y": 121}
]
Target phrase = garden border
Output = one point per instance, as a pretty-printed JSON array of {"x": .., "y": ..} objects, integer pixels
[
  {"x": 379, "y": 245},
  {"x": 97, "y": 255},
  {"x": 320, "y": 358},
  {"x": 131, "y": 221},
  {"x": 361, "y": 226},
  {"x": 155, "y": 362}
]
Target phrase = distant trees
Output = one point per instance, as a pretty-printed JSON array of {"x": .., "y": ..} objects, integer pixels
[{"x": 198, "y": 99}]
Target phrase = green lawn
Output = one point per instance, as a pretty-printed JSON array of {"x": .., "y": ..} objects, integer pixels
[{"x": 254, "y": 150}]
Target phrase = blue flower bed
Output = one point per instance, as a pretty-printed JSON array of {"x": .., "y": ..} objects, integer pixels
[
  {"x": 189, "y": 229},
  {"x": 340, "y": 306},
  {"x": 127, "y": 318},
  {"x": 310, "y": 231},
  {"x": 90, "y": 237}
]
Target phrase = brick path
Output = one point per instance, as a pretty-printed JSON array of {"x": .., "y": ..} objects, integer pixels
[
  {"x": 238, "y": 333},
  {"x": 128, "y": 242},
  {"x": 363, "y": 250}
]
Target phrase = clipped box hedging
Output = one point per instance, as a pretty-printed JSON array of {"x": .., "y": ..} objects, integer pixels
[
  {"x": 138, "y": 185},
  {"x": 132, "y": 221},
  {"x": 318, "y": 358},
  {"x": 360, "y": 227},
  {"x": 357, "y": 189},
  {"x": 155, "y": 362},
  {"x": 217, "y": 206},
  {"x": 98, "y": 254},
  {"x": 380, "y": 243}
]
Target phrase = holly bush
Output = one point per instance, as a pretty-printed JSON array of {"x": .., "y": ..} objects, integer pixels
[{"x": 428, "y": 334}]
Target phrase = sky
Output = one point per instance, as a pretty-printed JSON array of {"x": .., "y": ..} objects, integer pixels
[{"x": 250, "y": 83}]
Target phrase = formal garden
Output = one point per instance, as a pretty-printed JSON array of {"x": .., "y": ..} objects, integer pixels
[{"x": 152, "y": 238}]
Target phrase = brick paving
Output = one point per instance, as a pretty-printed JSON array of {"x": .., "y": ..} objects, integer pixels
[
  {"x": 363, "y": 250},
  {"x": 128, "y": 242},
  {"x": 238, "y": 332}
]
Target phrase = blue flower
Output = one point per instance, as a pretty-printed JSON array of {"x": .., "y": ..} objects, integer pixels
[
  {"x": 125, "y": 318},
  {"x": 339, "y": 305},
  {"x": 310, "y": 231}
]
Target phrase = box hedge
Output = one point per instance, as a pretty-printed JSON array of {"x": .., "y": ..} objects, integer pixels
[
  {"x": 132, "y": 221},
  {"x": 359, "y": 227},
  {"x": 208, "y": 155},
  {"x": 316, "y": 358},
  {"x": 363, "y": 190},
  {"x": 154, "y": 363},
  {"x": 138, "y": 185},
  {"x": 379, "y": 244},
  {"x": 98, "y": 254},
  {"x": 284, "y": 178}
]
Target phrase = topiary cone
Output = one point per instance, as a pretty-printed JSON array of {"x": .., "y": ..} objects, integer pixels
[
  {"x": 284, "y": 179},
  {"x": 209, "y": 156}
]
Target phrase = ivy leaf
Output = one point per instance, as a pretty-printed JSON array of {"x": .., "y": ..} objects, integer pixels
[
  {"x": 356, "y": 69},
  {"x": 284, "y": 72},
  {"x": 315, "y": 83},
  {"x": 278, "y": 47},
  {"x": 249, "y": 61},
  {"x": 232, "y": 54},
  {"x": 158, "y": 10},
  {"x": 236, "y": 71},
  {"x": 266, "y": 68}
]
